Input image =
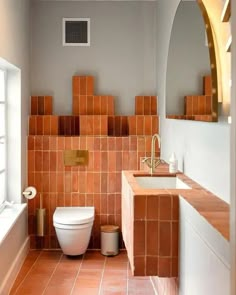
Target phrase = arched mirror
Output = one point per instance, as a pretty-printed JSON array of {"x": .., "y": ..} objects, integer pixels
[{"x": 191, "y": 82}]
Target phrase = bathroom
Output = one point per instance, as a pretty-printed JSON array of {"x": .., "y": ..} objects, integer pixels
[{"x": 126, "y": 58}]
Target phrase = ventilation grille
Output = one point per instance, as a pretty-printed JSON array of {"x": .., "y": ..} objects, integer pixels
[{"x": 76, "y": 32}]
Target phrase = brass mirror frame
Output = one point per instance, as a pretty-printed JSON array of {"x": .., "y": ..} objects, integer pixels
[{"x": 213, "y": 62}]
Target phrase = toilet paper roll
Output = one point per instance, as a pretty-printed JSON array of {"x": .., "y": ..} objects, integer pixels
[{"x": 30, "y": 192}]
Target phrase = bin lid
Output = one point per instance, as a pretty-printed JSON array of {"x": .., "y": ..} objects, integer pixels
[{"x": 109, "y": 228}]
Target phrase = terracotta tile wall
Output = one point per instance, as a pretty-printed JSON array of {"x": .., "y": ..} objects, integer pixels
[
  {"x": 118, "y": 126},
  {"x": 204, "y": 118},
  {"x": 139, "y": 125},
  {"x": 93, "y": 105},
  {"x": 98, "y": 184},
  {"x": 83, "y": 85},
  {"x": 69, "y": 125},
  {"x": 145, "y": 105},
  {"x": 157, "y": 253},
  {"x": 207, "y": 85},
  {"x": 84, "y": 100},
  {"x": 43, "y": 125},
  {"x": 93, "y": 125},
  {"x": 198, "y": 105},
  {"x": 41, "y": 105},
  {"x": 90, "y": 114}
]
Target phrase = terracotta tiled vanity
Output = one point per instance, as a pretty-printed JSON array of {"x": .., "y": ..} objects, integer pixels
[{"x": 150, "y": 221}]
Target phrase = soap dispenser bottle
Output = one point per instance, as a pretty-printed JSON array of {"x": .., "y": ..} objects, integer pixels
[{"x": 173, "y": 164}]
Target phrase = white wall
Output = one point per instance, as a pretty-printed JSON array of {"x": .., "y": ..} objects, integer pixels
[
  {"x": 121, "y": 55},
  {"x": 14, "y": 48},
  {"x": 201, "y": 148}
]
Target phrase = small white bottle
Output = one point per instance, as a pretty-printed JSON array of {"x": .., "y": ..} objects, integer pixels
[{"x": 173, "y": 164}]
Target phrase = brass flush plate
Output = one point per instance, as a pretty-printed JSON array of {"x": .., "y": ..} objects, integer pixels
[{"x": 76, "y": 157}]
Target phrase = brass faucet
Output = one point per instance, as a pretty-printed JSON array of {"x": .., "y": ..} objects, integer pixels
[
  {"x": 153, "y": 162},
  {"x": 154, "y": 138}
]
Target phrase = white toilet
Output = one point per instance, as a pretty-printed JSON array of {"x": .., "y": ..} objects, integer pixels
[{"x": 73, "y": 227}]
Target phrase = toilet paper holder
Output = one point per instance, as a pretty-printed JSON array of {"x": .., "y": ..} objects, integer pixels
[
  {"x": 26, "y": 193},
  {"x": 30, "y": 192}
]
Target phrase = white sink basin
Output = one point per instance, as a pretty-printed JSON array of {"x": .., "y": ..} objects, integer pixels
[{"x": 158, "y": 182}]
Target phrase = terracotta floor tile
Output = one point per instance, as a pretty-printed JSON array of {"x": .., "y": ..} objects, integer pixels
[
  {"x": 109, "y": 292},
  {"x": 59, "y": 289},
  {"x": 111, "y": 274},
  {"x": 51, "y": 272},
  {"x": 122, "y": 256},
  {"x": 50, "y": 256},
  {"x": 92, "y": 264},
  {"x": 27, "y": 265},
  {"x": 140, "y": 287},
  {"x": 87, "y": 282},
  {"x": 39, "y": 275},
  {"x": 85, "y": 291},
  {"x": 34, "y": 285},
  {"x": 118, "y": 265},
  {"x": 63, "y": 278},
  {"x": 115, "y": 284},
  {"x": 93, "y": 255},
  {"x": 88, "y": 273}
]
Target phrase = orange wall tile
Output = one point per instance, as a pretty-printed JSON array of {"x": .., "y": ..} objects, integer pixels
[
  {"x": 43, "y": 125},
  {"x": 207, "y": 85},
  {"x": 155, "y": 235},
  {"x": 145, "y": 105},
  {"x": 98, "y": 184},
  {"x": 93, "y": 105},
  {"x": 93, "y": 125},
  {"x": 188, "y": 105},
  {"x": 143, "y": 125},
  {"x": 208, "y": 104},
  {"x": 41, "y": 105}
]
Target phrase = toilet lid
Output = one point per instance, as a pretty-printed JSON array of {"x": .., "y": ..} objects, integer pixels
[{"x": 73, "y": 215}]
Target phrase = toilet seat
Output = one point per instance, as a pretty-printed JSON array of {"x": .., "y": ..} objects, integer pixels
[
  {"x": 73, "y": 216},
  {"x": 72, "y": 226}
]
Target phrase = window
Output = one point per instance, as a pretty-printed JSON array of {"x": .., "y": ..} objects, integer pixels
[
  {"x": 2, "y": 135},
  {"x": 76, "y": 32}
]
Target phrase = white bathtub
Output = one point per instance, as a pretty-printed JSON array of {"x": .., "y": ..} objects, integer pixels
[{"x": 14, "y": 244}]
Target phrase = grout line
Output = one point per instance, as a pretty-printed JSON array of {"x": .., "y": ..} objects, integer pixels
[
  {"x": 100, "y": 287},
  {"x": 22, "y": 281},
  {"x": 76, "y": 277},
  {"x": 53, "y": 273}
]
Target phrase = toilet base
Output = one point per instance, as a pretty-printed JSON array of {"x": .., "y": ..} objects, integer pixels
[{"x": 74, "y": 242}]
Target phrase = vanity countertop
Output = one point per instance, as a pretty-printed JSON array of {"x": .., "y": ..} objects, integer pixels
[{"x": 208, "y": 205}]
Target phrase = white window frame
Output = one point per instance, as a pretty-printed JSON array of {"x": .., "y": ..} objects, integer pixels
[
  {"x": 64, "y": 20},
  {"x": 3, "y": 138}
]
